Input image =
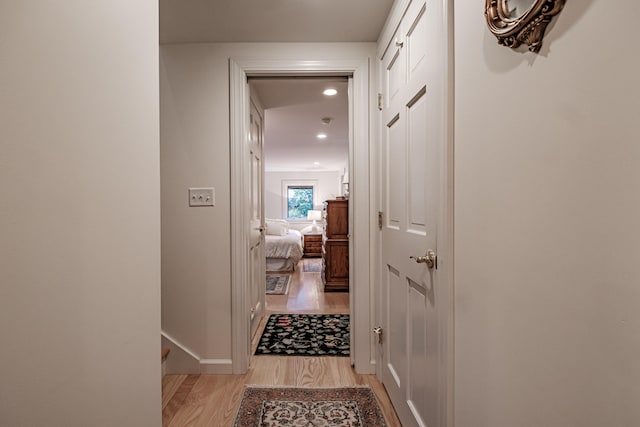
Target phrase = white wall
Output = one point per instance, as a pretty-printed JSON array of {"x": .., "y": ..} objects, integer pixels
[
  {"x": 194, "y": 87},
  {"x": 79, "y": 214},
  {"x": 328, "y": 186},
  {"x": 547, "y": 202}
]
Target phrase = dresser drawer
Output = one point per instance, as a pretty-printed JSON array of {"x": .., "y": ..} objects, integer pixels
[{"x": 312, "y": 245}]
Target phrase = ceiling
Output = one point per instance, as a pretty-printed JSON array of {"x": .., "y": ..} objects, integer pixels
[
  {"x": 294, "y": 109},
  {"x": 186, "y": 21}
]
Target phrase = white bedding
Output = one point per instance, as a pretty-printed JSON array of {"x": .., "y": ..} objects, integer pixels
[{"x": 287, "y": 246}]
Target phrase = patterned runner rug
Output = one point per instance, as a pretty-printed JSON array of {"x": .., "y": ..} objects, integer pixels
[
  {"x": 305, "y": 335},
  {"x": 277, "y": 284},
  {"x": 317, "y": 407}
]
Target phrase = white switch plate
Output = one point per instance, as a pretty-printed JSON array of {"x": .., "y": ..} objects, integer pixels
[{"x": 202, "y": 196}]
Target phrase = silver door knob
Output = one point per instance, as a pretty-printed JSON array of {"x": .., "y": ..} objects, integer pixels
[{"x": 430, "y": 259}]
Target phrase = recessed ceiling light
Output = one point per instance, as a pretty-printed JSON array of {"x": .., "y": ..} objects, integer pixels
[
  {"x": 321, "y": 135},
  {"x": 316, "y": 163},
  {"x": 330, "y": 92}
]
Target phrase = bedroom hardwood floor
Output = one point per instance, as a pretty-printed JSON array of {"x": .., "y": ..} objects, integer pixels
[
  {"x": 212, "y": 400},
  {"x": 306, "y": 296}
]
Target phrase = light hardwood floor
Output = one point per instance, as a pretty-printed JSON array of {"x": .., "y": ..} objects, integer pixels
[{"x": 212, "y": 400}]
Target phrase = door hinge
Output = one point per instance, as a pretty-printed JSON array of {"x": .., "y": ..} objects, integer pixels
[
  {"x": 380, "y": 216},
  {"x": 380, "y": 101}
]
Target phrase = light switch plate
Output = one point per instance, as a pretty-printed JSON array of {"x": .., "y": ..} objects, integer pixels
[{"x": 202, "y": 196}]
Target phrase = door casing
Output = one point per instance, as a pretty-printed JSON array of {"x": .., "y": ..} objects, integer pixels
[{"x": 362, "y": 209}]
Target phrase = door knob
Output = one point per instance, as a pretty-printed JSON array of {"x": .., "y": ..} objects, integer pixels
[{"x": 430, "y": 259}]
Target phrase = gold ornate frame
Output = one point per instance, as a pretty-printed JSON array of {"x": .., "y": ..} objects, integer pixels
[{"x": 528, "y": 28}]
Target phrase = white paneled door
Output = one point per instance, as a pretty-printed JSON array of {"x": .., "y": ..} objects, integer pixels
[
  {"x": 256, "y": 236},
  {"x": 413, "y": 118}
]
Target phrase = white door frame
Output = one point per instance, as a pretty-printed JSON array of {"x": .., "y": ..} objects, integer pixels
[{"x": 360, "y": 206}]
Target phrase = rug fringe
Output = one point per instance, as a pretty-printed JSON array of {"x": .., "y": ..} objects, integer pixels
[{"x": 307, "y": 387}]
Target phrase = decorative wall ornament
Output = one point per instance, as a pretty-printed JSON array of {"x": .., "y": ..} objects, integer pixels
[{"x": 527, "y": 27}]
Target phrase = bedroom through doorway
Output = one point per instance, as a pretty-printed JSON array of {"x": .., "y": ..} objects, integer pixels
[{"x": 305, "y": 195}]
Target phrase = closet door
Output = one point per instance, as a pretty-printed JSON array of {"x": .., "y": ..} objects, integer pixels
[{"x": 413, "y": 140}]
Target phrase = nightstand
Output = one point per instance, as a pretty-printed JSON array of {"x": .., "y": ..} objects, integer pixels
[{"x": 312, "y": 245}]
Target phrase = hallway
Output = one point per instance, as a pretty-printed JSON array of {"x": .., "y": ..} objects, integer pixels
[{"x": 212, "y": 400}]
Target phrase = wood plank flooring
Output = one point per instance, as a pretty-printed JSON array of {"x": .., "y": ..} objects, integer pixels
[
  {"x": 213, "y": 400},
  {"x": 306, "y": 296}
]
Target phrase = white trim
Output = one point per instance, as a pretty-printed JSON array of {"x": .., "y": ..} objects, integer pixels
[
  {"x": 446, "y": 356},
  {"x": 216, "y": 366},
  {"x": 352, "y": 301},
  {"x": 238, "y": 95},
  {"x": 359, "y": 203},
  {"x": 360, "y": 241},
  {"x": 206, "y": 366},
  {"x": 180, "y": 346}
]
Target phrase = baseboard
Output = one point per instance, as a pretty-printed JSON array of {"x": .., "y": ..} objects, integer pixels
[
  {"x": 372, "y": 367},
  {"x": 184, "y": 361},
  {"x": 181, "y": 359},
  {"x": 216, "y": 366}
]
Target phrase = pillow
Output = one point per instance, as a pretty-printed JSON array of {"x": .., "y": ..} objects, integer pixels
[{"x": 276, "y": 227}]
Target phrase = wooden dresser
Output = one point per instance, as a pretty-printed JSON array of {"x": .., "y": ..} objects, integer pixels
[
  {"x": 312, "y": 245},
  {"x": 335, "y": 246}
]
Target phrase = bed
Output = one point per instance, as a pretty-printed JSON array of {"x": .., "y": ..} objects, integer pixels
[{"x": 283, "y": 248}]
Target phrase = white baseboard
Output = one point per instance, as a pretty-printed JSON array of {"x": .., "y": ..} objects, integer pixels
[
  {"x": 184, "y": 361},
  {"x": 181, "y": 360},
  {"x": 216, "y": 366}
]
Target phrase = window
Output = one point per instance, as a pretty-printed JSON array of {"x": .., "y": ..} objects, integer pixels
[
  {"x": 298, "y": 196},
  {"x": 299, "y": 201}
]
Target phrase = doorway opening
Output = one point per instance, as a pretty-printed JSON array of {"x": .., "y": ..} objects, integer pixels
[{"x": 306, "y": 134}]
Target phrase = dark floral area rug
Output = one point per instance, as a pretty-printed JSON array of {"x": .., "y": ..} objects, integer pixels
[
  {"x": 305, "y": 335},
  {"x": 317, "y": 407}
]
